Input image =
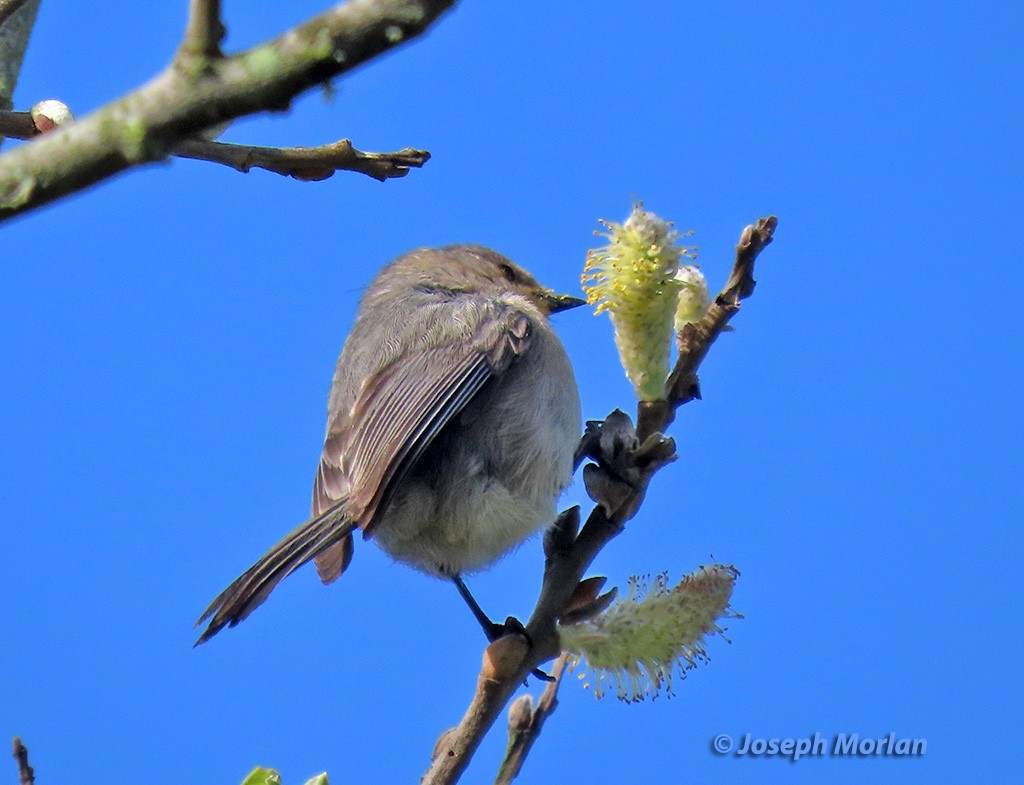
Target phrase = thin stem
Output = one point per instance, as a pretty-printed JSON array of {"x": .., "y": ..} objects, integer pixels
[
  {"x": 304, "y": 163},
  {"x": 17, "y": 125},
  {"x": 26, "y": 774},
  {"x": 204, "y": 30}
]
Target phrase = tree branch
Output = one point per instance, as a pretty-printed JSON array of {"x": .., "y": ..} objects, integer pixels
[
  {"x": 204, "y": 30},
  {"x": 626, "y": 460},
  {"x": 196, "y": 92},
  {"x": 26, "y": 774},
  {"x": 304, "y": 163}
]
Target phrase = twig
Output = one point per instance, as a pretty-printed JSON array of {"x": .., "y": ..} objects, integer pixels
[
  {"x": 197, "y": 92},
  {"x": 26, "y": 775},
  {"x": 204, "y": 30},
  {"x": 304, "y": 163},
  {"x": 626, "y": 459},
  {"x": 525, "y": 725},
  {"x": 17, "y": 125},
  {"x": 694, "y": 340}
]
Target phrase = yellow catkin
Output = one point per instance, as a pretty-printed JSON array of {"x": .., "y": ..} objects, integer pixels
[
  {"x": 636, "y": 646},
  {"x": 634, "y": 279}
]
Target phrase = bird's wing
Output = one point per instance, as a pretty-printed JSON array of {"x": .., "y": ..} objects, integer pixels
[
  {"x": 329, "y": 488},
  {"x": 401, "y": 409}
]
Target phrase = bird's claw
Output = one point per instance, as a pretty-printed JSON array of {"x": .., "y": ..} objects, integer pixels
[
  {"x": 537, "y": 673},
  {"x": 513, "y": 626}
]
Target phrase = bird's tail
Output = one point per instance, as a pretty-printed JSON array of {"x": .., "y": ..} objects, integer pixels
[{"x": 254, "y": 585}]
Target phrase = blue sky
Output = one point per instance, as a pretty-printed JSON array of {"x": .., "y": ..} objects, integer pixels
[{"x": 167, "y": 341}]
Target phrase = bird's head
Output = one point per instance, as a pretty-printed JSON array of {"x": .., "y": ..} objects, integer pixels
[{"x": 475, "y": 268}]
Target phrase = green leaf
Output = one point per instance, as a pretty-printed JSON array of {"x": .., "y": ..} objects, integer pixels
[
  {"x": 319, "y": 779},
  {"x": 262, "y": 776}
]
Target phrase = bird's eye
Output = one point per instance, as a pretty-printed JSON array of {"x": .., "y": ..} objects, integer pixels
[{"x": 509, "y": 273}]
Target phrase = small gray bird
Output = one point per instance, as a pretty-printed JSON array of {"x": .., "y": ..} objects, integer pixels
[{"x": 451, "y": 425}]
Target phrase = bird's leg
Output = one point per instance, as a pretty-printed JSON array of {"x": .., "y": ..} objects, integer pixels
[{"x": 491, "y": 629}]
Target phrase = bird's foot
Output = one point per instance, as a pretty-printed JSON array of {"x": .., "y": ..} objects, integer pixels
[
  {"x": 493, "y": 630},
  {"x": 513, "y": 626}
]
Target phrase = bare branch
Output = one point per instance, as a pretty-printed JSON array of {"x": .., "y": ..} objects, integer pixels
[
  {"x": 626, "y": 460},
  {"x": 204, "y": 30},
  {"x": 197, "y": 92},
  {"x": 304, "y": 163},
  {"x": 26, "y": 775},
  {"x": 17, "y": 125}
]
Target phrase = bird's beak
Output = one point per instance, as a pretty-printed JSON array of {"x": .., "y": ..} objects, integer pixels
[{"x": 561, "y": 302}]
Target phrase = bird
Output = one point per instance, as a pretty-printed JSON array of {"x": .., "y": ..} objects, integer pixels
[{"x": 452, "y": 421}]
